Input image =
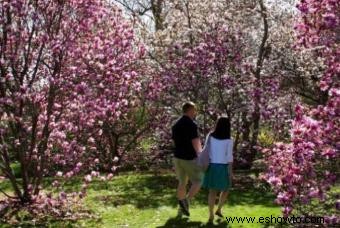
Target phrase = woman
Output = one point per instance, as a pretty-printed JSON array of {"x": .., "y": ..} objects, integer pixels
[{"x": 219, "y": 173}]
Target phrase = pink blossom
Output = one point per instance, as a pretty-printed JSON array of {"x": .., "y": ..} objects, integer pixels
[
  {"x": 109, "y": 176},
  {"x": 88, "y": 178}
]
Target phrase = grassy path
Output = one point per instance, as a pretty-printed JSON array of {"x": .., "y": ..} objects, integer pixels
[{"x": 148, "y": 200}]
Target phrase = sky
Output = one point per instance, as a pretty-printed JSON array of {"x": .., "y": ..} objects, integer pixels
[{"x": 289, "y": 5}]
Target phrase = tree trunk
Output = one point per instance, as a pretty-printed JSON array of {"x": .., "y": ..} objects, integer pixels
[
  {"x": 257, "y": 73},
  {"x": 157, "y": 9}
]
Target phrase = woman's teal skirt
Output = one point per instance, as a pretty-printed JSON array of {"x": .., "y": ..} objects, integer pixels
[{"x": 217, "y": 177}]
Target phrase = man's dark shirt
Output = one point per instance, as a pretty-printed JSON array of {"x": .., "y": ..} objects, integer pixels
[{"x": 183, "y": 131}]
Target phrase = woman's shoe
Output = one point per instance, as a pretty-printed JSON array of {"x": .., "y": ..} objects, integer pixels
[{"x": 219, "y": 214}]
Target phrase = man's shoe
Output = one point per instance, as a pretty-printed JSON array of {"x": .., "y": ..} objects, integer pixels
[{"x": 184, "y": 206}]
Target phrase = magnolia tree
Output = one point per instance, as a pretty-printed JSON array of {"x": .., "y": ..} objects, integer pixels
[
  {"x": 35, "y": 40},
  {"x": 70, "y": 80},
  {"x": 305, "y": 169},
  {"x": 112, "y": 91},
  {"x": 218, "y": 54},
  {"x": 197, "y": 59}
]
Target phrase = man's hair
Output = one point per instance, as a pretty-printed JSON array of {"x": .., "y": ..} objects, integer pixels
[{"x": 187, "y": 106}]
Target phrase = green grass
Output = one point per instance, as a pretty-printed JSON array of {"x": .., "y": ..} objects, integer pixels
[{"x": 144, "y": 200}]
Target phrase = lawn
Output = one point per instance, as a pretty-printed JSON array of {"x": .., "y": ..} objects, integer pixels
[{"x": 148, "y": 200}]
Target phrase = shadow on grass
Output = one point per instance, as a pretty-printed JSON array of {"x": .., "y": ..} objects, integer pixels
[
  {"x": 185, "y": 222},
  {"x": 152, "y": 191}
]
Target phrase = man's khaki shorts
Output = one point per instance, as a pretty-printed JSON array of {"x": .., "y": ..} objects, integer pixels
[{"x": 187, "y": 169}]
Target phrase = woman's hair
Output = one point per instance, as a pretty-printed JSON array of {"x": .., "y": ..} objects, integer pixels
[{"x": 222, "y": 128}]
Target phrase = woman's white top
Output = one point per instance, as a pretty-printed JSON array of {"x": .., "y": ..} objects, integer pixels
[{"x": 220, "y": 150}]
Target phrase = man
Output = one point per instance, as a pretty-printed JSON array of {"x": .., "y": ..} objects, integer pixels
[{"x": 187, "y": 146}]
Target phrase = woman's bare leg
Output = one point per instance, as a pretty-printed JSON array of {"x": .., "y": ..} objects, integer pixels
[
  {"x": 221, "y": 201},
  {"x": 211, "y": 202}
]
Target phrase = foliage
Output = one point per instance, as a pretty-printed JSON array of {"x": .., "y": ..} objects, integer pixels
[
  {"x": 71, "y": 83},
  {"x": 305, "y": 169}
]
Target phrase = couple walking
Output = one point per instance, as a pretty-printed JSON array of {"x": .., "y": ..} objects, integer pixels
[{"x": 217, "y": 177}]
